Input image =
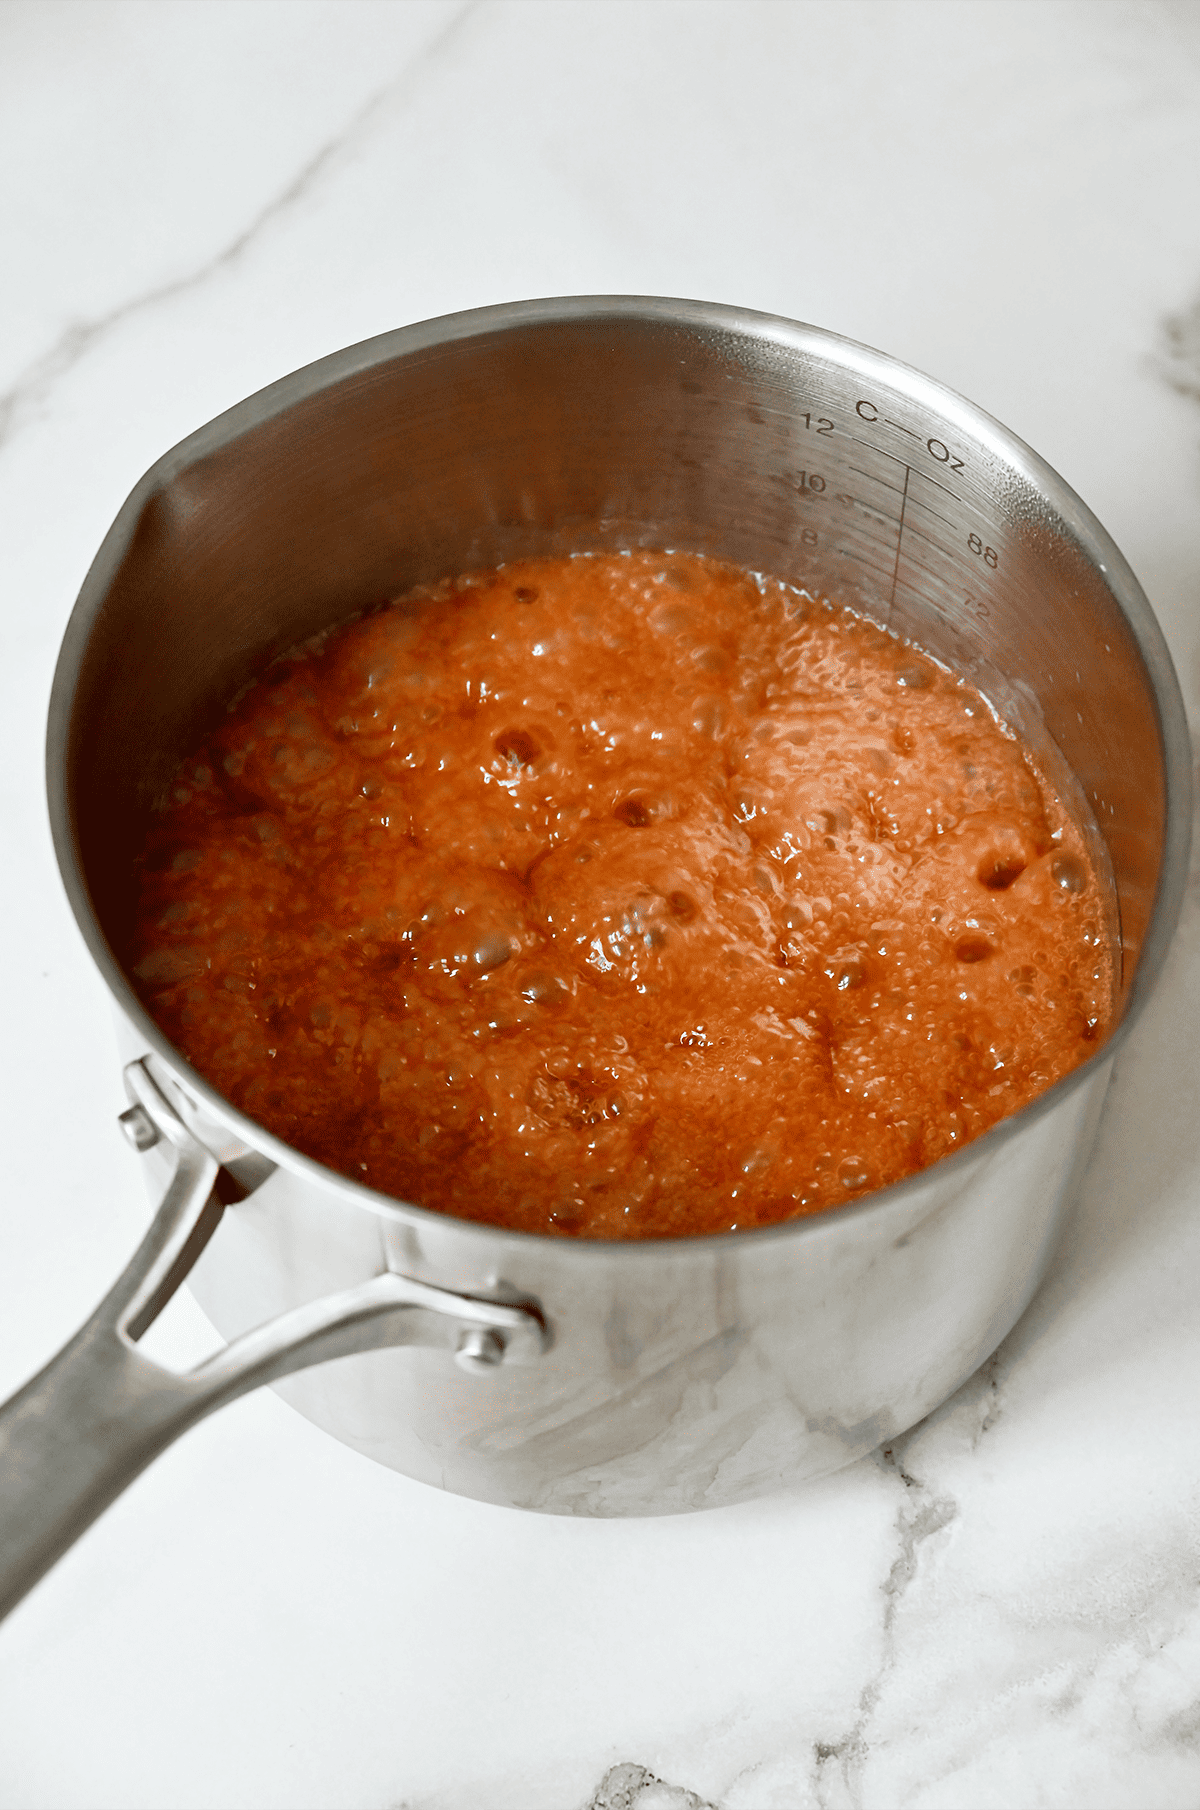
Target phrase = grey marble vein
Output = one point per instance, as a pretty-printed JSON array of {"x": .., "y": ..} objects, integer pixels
[
  {"x": 1179, "y": 357},
  {"x": 78, "y": 339},
  {"x": 992, "y": 1395},
  {"x": 631, "y": 1787},
  {"x": 977, "y": 1404},
  {"x": 839, "y": 1763}
]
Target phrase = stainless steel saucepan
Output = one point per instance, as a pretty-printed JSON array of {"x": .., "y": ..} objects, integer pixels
[{"x": 564, "y": 1375}]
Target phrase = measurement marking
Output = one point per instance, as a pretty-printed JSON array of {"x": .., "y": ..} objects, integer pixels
[
  {"x": 869, "y": 529},
  {"x": 862, "y": 560},
  {"x": 871, "y": 447},
  {"x": 874, "y": 478},
  {"x": 880, "y": 515},
  {"x": 910, "y": 559},
  {"x": 877, "y": 565},
  {"x": 945, "y": 487},
  {"x": 933, "y": 541},
  {"x": 938, "y": 574},
  {"x": 930, "y": 510},
  {"x": 896, "y": 459},
  {"x": 901, "y": 429},
  {"x": 899, "y": 537}
]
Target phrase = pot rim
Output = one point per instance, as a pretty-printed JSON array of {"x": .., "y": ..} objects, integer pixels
[{"x": 713, "y": 320}]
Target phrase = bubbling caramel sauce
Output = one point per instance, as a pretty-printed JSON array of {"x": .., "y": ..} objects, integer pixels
[{"x": 622, "y": 896}]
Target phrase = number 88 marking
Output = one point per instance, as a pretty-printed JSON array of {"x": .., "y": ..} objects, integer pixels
[{"x": 988, "y": 554}]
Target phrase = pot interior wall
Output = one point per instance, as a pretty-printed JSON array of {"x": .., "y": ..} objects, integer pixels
[{"x": 287, "y": 516}]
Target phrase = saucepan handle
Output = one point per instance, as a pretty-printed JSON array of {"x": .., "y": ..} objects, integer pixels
[{"x": 82, "y": 1429}]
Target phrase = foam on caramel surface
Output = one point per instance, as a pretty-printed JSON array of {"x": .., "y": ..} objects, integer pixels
[{"x": 621, "y": 896}]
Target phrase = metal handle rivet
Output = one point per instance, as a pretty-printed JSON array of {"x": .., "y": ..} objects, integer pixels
[
  {"x": 479, "y": 1349},
  {"x": 139, "y": 1128}
]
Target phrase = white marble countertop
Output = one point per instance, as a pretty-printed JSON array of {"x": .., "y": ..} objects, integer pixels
[{"x": 197, "y": 199}]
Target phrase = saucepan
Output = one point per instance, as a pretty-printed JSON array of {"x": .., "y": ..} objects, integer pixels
[{"x": 558, "y": 1374}]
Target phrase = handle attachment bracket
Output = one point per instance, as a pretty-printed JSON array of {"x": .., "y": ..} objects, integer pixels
[{"x": 81, "y": 1430}]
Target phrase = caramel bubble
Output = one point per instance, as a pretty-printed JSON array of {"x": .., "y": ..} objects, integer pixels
[{"x": 1069, "y": 872}]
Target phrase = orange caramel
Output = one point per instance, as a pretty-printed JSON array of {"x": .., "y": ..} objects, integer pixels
[{"x": 623, "y": 896}]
